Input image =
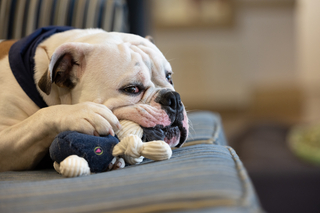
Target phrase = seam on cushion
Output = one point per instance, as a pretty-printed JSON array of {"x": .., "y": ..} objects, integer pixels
[
  {"x": 216, "y": 131},
  {"x": 248, "y": 197},
  {"x": 196, "y": 142}
]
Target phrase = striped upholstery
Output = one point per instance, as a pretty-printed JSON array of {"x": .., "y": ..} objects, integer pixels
[
  {"x": 205, "y": 129},
  {"x": 198, "y": 178},
  {"x": 19, "y": 18}
]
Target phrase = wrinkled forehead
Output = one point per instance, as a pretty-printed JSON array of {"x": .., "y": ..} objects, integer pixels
[
  {"x": 129, "y": 57},
  {"x": 143, "y": 50},
  {"x": 150, "y": 56},
  {"x": 133, "y": 48}
]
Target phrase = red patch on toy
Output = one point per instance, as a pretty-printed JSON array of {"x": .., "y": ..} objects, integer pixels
[{"x": 98, "y": 150}]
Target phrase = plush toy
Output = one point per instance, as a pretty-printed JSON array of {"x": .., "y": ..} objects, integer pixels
[{"x": 76, "y": 154}]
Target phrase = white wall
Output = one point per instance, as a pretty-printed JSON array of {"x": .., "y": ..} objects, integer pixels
[
  {"x": 308, "y": 48},
  {"x": 218, "y": 68},
  {"x": 308, "y": 41}
]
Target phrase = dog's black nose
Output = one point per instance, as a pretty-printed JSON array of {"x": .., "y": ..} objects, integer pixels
[{"x": 171, "y": 101}]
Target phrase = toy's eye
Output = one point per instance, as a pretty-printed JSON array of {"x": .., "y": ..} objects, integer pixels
[
  {"x": 169, "y": 77},
  {"x": 132, "y": 90}
]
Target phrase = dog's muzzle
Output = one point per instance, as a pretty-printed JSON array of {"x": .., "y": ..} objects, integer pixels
[{"x": 170, "y": 102}]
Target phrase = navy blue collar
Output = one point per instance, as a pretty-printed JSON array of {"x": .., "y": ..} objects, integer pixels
[{"x": 21, "y": 59}]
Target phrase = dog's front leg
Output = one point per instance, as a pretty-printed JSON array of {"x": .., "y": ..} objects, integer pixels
[{"x": 24, "y": 144}]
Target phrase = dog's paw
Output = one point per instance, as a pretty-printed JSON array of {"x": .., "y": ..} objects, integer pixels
[
  {"x": 116, "y": 163},
  {"x": 88, "y": 117}
]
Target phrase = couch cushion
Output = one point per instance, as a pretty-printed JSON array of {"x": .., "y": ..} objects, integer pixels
[
  {"x": 205, "y": 128},
  {"x": 201, "y": 177}
]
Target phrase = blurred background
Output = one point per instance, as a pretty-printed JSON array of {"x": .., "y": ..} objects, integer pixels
[
  {"x": 255, "y": 62},
  {"x": 247, "y": 58}
]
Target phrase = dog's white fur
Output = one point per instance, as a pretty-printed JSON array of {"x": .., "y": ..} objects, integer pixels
[{"x": 105, "y": 63}]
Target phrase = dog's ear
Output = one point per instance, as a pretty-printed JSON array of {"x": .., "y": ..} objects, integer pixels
[
  {"x": 150, "y": 38},
  {"x": 45, "y": 83},
  {"x": 65, "y": 68}
]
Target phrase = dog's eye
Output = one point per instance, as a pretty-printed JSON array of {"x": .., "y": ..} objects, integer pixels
[
  {"x": 169, "y": 77},
  {"x": 132, "y": 90}
]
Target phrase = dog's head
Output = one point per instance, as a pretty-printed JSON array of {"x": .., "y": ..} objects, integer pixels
[{"x": 125, "y": 72}]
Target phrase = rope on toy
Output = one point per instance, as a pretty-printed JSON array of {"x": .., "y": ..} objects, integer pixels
[
  {"x": 129, "y": 128},
  {"x": 132, "y": 148},
  {"x": 72, "y": 166}
]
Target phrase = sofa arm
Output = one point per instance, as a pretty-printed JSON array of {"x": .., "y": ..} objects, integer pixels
[{"x": 205, "y": 128}]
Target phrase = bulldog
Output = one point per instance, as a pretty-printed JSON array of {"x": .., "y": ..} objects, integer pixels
[{"x": 85, "y": 81}]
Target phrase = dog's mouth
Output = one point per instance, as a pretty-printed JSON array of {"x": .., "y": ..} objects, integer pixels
[
  {"x": 174, "y": 134},
  {"x": 157, "y": 123}
]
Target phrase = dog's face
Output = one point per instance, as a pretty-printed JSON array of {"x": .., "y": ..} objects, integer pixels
[{"x": 126, "y": 73}]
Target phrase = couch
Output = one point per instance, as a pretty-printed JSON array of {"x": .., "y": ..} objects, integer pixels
[{"x": 205, "y": 175}]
